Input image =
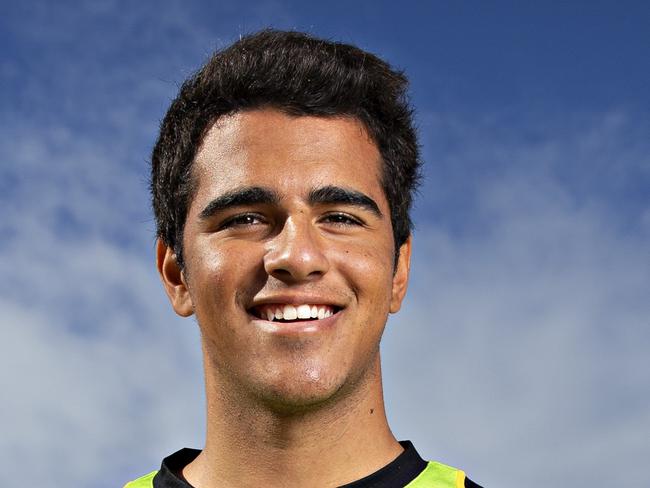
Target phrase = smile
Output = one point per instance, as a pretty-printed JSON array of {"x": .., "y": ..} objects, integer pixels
[{"x": 276, "y": 312}]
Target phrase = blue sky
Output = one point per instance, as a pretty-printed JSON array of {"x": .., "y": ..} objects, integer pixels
[{"x": 521, "y": 354}]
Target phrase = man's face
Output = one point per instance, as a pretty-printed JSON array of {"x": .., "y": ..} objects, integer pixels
[{"x": 288, "y": 220}]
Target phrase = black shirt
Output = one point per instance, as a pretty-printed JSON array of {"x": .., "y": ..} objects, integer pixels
[{"x": 398, "y": 473}]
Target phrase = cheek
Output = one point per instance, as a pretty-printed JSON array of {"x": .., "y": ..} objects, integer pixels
[
  {"x": 223, "y": 275},
  {"x": 207, "y": 268},
  {"x": 369, "y": 269}
]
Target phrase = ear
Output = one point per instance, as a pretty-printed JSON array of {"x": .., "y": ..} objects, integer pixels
[
  {"x": 173, "y": 280},
  {"x": 401, "y": 276}
]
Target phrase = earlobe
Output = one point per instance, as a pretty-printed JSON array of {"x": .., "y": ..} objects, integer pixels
[
  {"x": 401, "y": 276},
  {"x": 173, "y": 280}
]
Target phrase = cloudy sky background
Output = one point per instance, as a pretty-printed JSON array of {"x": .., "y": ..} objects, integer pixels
[{"x": 522, "y": 353}]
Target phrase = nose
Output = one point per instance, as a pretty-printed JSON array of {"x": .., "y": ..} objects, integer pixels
[{"x": 296, "y": 254}]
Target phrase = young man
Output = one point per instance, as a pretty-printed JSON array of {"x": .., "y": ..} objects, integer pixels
[{"x": 282, "y": 183}]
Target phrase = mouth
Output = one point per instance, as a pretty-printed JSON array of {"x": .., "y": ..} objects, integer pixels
[{"x": 287, "y": 313}]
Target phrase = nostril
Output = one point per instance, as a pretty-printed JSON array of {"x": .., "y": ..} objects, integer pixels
[{"x": 281, "y": 272}]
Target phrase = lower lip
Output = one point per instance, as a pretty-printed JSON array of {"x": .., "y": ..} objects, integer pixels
[{"x": 298, "y": 326}]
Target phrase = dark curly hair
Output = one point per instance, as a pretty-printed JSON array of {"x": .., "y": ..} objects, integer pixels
[{"x": 299, "y": 75}]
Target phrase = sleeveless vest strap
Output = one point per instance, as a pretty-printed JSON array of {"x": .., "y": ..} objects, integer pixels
[
  {"x": 438, "y": 475},
  {"x": 145, "y": 481}
]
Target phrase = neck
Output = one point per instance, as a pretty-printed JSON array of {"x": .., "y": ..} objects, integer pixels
[{"x": 250, "y": 444}]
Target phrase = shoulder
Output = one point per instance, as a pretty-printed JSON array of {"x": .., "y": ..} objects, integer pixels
[{"x": 145, "y": 481}]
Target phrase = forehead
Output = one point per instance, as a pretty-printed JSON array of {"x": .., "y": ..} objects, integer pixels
[{"x": 291, "y": 154}]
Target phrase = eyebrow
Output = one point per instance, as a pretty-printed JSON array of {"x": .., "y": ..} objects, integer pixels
[
  {"x": 256, "y": 195},
  {"x": 239, "y": 197},
  {"x": 336, "y": 194}
]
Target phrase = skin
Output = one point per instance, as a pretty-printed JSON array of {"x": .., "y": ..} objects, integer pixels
[{"x": 299, "y": 404}]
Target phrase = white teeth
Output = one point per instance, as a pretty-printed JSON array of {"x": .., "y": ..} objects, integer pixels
[
  {"x": 290, "y": 312},
  {"x": 303, "y": 311},
  {"x": 294, "y": 312}
]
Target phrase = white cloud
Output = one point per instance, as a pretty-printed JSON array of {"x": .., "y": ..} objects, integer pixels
[
  {"x": 525, "y": 338},
  {"x": 99, "y": 379}
]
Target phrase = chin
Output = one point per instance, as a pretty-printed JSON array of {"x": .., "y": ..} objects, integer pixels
[
  {"x": 310, "y": 389},
  {"x": 302, "y": 393}
]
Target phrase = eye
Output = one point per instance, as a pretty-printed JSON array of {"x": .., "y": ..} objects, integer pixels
[
  {"x": 341, "y": 219},
  {"x": 243, "y": 220}
]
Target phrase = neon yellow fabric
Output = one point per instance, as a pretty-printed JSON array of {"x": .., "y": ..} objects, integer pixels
[
  {"x": 435, "y": 475},
  {"x": 145, "y": 481},
  {"x": 438, "y": 475}
]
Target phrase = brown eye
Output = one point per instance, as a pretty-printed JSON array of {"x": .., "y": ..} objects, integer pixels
[
  {"x": 341, "y": 219},
  {"x": 243, "y": 220}
]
